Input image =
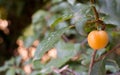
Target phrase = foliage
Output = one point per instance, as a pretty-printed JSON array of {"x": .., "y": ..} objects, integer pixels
[{"x": 64, "y": 26}]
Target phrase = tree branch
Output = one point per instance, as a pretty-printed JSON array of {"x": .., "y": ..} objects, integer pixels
[
  {"x": 108, "y": 53},
  {"x": 92, "y": 61}
]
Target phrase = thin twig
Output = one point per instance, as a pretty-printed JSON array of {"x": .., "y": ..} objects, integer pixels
[
  {"x": 63, "y": 70},
  {"x": 94, "y": 10},
  {"x": 84, "y": 42},
  {"x": 71, "y": 71},
  {"x": 92, "y": 61},
  {"x": 108, "y": 53},
  {"x": 65, "y": 38},
  {"x": 58, "y": 71}
]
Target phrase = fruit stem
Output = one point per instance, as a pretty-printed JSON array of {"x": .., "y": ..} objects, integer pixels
[
  {"x": 96, "y": 15},
  {"x": 94, "y": 10},
  {"x": 92, "y": 62}
]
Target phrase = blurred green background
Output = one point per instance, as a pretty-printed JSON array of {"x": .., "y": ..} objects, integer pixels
[{"x": 49, "y": 22}]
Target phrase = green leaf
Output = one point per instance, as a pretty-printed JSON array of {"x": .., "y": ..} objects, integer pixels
[
  {"x": 114, "y": 58},
  {"x": 35, "y": 30},
  {"x": 56, "y": 1},
  {"x": 99, "y": 68},
  {"x": 29, "y": 36},
  {"x": 81, "y": 13},
  {"x": 78, "y": 68},
  {"x": 61, "y": 19},
  {"x": 112, "y": 65},
  {"x": 48, "y": 43},
  {"x": 62, "y": 8},
  {"x": 10, "y": 62},
  {"x": 18, "y": 60},
  {"x": 32, "y": 33},
  {"x": 65, "y": 52},
  {"x": 79, "y": 26},
  {"x": 3, "y": 68},
  {"x": 35, "y": 73},
  {"x": 29, "y": 40},
  {"x": 111, "y": 9},
  {"x": 7, "y": 64},
  {"x": 38, "y": 16},
  {"x": 111, "y": 68},
  {"x": 72, "y": 2},
  {"x": 28, "y": 31},
  {"x": 20, "y": 71},
  {"x": 11, "y": 71},
  {"x": 117, "y": 59}
]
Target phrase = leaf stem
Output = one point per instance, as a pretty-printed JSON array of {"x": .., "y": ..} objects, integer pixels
[{"x": 92, "y": 61}]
